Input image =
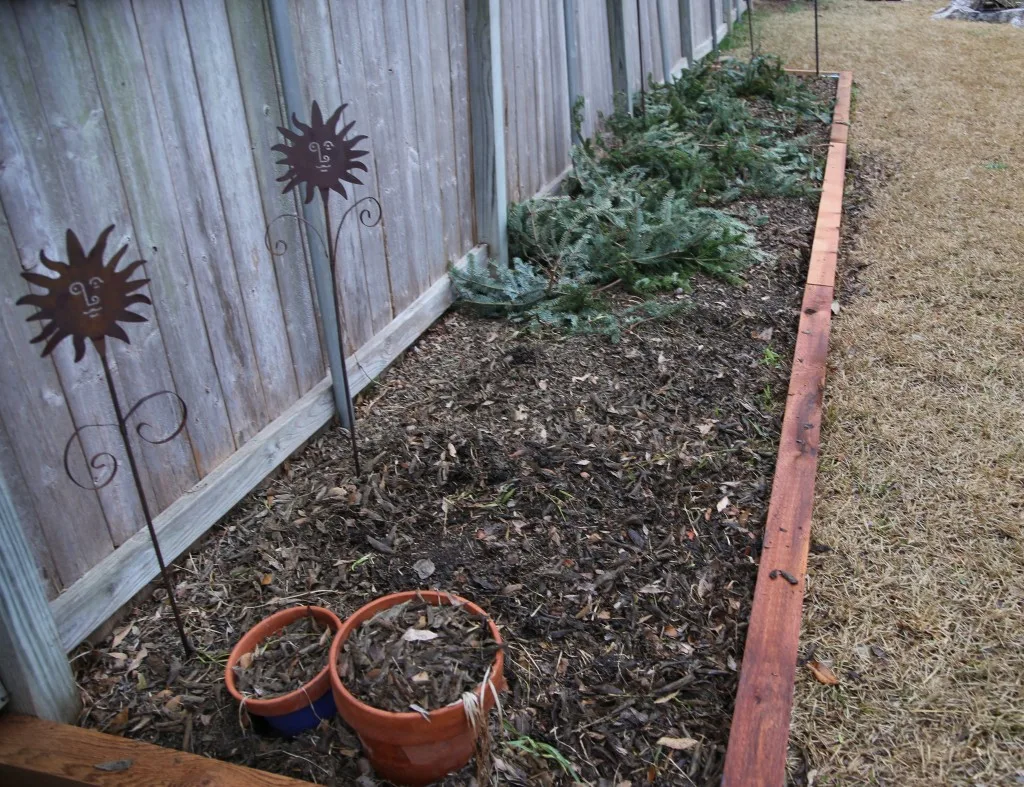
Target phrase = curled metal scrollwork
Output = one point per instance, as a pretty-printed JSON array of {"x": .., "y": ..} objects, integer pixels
[
  {"x": 369, "y": 214},
  {"x": 104, "y": 464}
]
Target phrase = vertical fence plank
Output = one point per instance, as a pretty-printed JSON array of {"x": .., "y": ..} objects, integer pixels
[
  {"x": 33, "y": 666},
  {"x": 35, "y": 413},
  {"x": 398, "y": 239},
  {"x": 510, "y": 56},
  {"x": 443, "y": 115},
  {"x": 713, "y": 10},
  {"x": 67, "y": 140},
  {"x": 664, "y": 41},
  {"x": 398, "y": 64},
  {"x": 686, "y": 31},
  {"x": 572, "y": 55},
  {"x": 425, "y": 121},
  {"x": 313, "y": 35},
  {"x": 487, "y": 109},
  {"x": 459, "y": 60},
  {"x": 559, "y": 85},
  {"x": 220, "y": 94},
  {"x": 348, "y": 48},
  {"x": 94, "y": 190},
  {"x": 196, "y": 352},
  {"x": 619, "y": 49},
  {"x": 186, "y": 178},
  {"x": 25, "y": 510},
  {"x": 254, "y": 56}
]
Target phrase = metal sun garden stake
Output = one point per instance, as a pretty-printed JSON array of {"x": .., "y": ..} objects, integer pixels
[
  {"x": 321, "y": 157},
  {"x": 88, "y": 299}
]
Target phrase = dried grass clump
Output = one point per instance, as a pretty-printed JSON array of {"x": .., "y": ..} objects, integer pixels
[{"x": 921, "y": 487}]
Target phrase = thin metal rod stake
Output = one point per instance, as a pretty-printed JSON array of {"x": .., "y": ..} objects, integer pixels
[
  {"x": 332, "y": 252},
  {"x": 750, "y": 24},
  {"x": 817, "y": 51},
  {"x": 189, "y": 650},
  {"x": 640, "y": 45}
]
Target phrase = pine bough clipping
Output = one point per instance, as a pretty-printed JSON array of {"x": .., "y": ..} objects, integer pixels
[{"x": 644, "y": 203}]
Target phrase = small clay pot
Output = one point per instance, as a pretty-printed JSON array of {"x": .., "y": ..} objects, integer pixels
[
  {"x": 405, "y": 748},
  {"x": 298, "y": 710}
]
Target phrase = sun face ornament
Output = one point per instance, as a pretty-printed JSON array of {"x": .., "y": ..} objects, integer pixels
[
  {"x": 87, "y": 299},
  {"x": 320, "y": 156}
]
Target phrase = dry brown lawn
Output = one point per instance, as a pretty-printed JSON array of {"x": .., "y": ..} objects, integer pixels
[{"x": 921, "y": 486}]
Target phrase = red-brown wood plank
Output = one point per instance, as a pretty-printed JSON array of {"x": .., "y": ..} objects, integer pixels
[
  {"x": 756, "y": 756},
  {"x": 825, "y": 247},
  {"x": 40, "y": 753}
]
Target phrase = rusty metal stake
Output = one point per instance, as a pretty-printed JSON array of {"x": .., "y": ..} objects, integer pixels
[{"x": 88, "y": 300}]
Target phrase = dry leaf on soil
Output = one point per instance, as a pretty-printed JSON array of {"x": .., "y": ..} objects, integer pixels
[
  {"x": 679, "y": 744},
  {"x": 823, "y": 673}
]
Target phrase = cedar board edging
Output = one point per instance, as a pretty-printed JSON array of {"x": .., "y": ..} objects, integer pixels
[
  {"x": 45, "y": 754},
  {"x": 758, "y": 739}
]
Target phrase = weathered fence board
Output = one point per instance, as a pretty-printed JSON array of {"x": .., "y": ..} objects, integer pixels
[
  {"x": 251, "y": 40},
  {"x": 375, "y": 281},
  {"x": 220, "y": 98},
  {"x": 159, "y": 115}
]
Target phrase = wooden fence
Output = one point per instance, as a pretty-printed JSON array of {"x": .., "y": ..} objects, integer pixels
[{"x": 158, "y": 116}]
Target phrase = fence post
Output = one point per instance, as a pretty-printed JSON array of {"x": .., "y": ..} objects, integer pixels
[
  {"x": 617, "y": 43},
  {"x": 33, "y": 665},
  {"x": 487, "y": 119},
  {"x": 686, "y": 27},
  {"x": 326, "y": 297},
  {"x": 572, "y": 60},
  {"x": 666, "y": 58},
  {"x": 714, "y": 25}
]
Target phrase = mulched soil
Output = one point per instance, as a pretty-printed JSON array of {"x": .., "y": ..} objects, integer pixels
[
  {"x": 604, "y": 502},
  {"x": 417, "y": 656},
  {"x": 285, "y": 661}
]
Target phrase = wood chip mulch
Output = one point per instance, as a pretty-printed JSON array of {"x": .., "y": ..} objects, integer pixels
[
  {"x": 416, "y": 656},
  {"x": 285, "y": 661},
  {"x": 603, "y": 502}
]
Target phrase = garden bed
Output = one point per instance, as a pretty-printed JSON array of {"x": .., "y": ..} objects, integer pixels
[{"x": 603, "y": 501}]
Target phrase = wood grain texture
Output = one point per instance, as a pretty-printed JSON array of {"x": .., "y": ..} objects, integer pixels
[
  {"x": 227, "y": 134},
  {"x": 686, "y": 30},
  {"x": 252, "y": 42},
  {"x": 401, "y": 87},
  {"x": 45, "y": 754},
  {"x": 37, "y": 206},
  {"x": 756, "y": 755},
  {"x": 487, "y": 113},
  {"x": 94, "y": 197},
  {"x": 197, "y": 354},
  {"x": 459, "y": 63},
  {"x": 119, "y": 576},
  {"x": 313, "y": 34},
  {"x": 25, "y": 513},
  {"x": 620, "y": 44},
  {"x": 430, "y": 156},
  {"x": 33, "y": 667},
  {"x": 195, "y": 192},
  {"x": 373, "y": 267},
  {"x": 37, "y": 422},
  {"x": 444, "y": 117}
]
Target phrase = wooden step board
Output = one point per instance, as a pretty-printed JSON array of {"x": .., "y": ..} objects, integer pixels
[{"x": 37, "y": 753}]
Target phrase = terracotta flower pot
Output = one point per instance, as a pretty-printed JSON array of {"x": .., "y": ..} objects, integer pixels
[
  {"x": 405, "y": 748},
  {"x": 299, "y": 710}
]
